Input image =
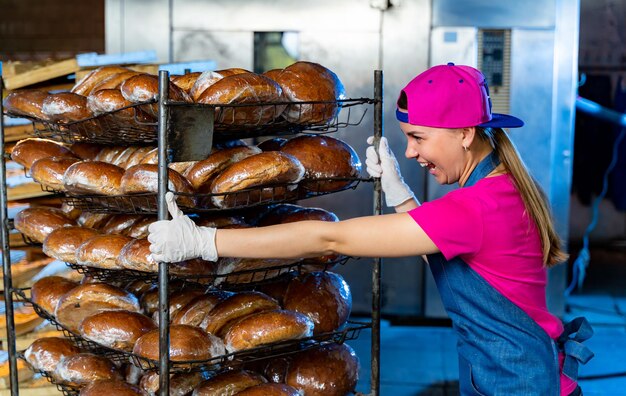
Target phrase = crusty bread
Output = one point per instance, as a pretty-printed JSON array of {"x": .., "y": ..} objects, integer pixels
[
  {"x": 145, "y": 87},
  {"x": 270, "y": 390},
  {"x": 86, "y": 151},
  {"x": 93, "y": 177},
  {"x": 27, "y": 151},
  {"x": 87, "y": 83},
  {"x": 229, "y": 383},
  {"x": 102, "y": 251},
  {"x": 197, "y": 309},
  {"x": 181, "y": 384},
  {"x": 83, "y": 368},
  {"x": 62, "y": 243},
  {"x": 267, "y": 327},
  {"x": 38, "y": 222},
  {"x": 185, "y": 81},
  {"x": 116, "y": 329},
  {"x": 26, "y": 102},
  {"x": 111, "y": 387},
  {"x": 210, "y": 77},
  {"x": 119, "y": 224},
  {"x": 47, "y": 291},
  {"x": 143, "y": 178},
  {"x": 186, "y": 343},
  {"x": 49, "y": 171},
  {"x": 203, "y": 172},
  {"x": 234, "y": 307},
  {"x": 65, "y": 107},
  {"x": 46, "y": 353}
]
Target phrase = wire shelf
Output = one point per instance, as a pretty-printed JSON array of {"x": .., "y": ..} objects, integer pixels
[
  {"x": 146, "y": 203},
  {"x": 231, "y": 281},
  {"x": 232, "y": 121},
  {"x": 66, "y": 389},
  {"x": 350, "y": 331}
]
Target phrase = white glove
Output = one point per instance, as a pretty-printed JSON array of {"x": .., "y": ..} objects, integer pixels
[
  {"x": 385, "y": 166},
  {"x": 180, "y": 239}
]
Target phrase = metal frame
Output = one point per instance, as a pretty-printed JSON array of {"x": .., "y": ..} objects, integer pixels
[{"x": 164, "y": 361}]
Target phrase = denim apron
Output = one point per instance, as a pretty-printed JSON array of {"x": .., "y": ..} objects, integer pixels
[{"x": 502, "y": 350}]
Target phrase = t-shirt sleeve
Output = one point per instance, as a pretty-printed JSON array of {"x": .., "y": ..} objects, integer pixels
[{"x": 454, "y": 224}]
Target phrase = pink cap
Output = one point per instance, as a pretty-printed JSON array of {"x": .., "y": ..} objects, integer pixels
[{"x": 450, "y": 96}]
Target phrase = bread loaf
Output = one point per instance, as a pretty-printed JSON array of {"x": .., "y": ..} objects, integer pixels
[
  {"x": 197, "y": 309},
  {"x": 277, "y": 288},
  {"x": 44, "y": 354},
  {"x": 203, "y": 172},
  {"x": 324, "y": 297},
  {"x": 91, "y": 298},
  {"x": 139, "y": 230},
  {"x": 87, "y": 83},
  {"x": 182, "y": 297},
  {"x": 70, "y": 211},
  {"x": 66, "y": 107},
  {"x": 27, "y": 151},
  {"x": 119, "y": 224},
  {"x": 234, "y": 307},
  {"x": 111, "y": 387},
  {"x": 267, "y": 327},
  {"x": 181, "y": 384},
  {"x": 101, "y": 251},
  {"x": 86, "y": 151},
  {"x": 331, "y": 370},
  {"x": 93, "y": 220},
  {"x": 244, "y": 88},
  {"x": 93, "y": 177},
  {"x": 269, "y": 390},
  {"x": 186, "y": 343},
  {"x": 229, "y": 383},
  {"x": 266, "y": 168},
  {"x": 111, "y": 101},
  {"x": 324, "y": 157},
  {"x": 273, "y": 144},
  {"x": 49, "y": 171},
  {"x": 113, "y": 81},
  {"x": 37, "y": 222},
  {"x": 308, "y": 81},
  {"x": 108, "y": 153},
  {"x": 185, "y": 81},
  {"x": 26, "y": 102},
  {"x": 83, "y": 368},
  {"x": 247, "y": 270},
  {"x": 143, "y": 178},
  {"x": 137, "y": 156},
  {"x": 145, "y": 87},
  {"x": 62, "y": 243},
  {"x": 121, "y": 158},
  {"x": 116, "y": 329},
  {"x": 210, "y": 77}
]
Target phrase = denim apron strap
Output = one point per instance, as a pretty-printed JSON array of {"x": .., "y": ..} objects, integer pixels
[
  {"x": 491, "y": 330},
  {"x": 570, "y": 342}
]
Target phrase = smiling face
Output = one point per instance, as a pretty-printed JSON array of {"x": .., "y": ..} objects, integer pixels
[{"x": 438, "y": 149}]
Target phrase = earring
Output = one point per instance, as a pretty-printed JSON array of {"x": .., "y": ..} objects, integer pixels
[{"x": 465, "y": 148}]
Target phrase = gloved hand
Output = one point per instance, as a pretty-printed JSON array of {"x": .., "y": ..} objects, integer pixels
[
  {"x": 180, "y": 239},
  {"x": 385, "y": 166}
]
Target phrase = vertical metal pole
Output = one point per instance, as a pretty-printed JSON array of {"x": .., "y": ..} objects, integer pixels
[
  {"x": 376, "y": 271},
  {"x": 6, "y": 261},
  {"x": 164, "y": 319}
]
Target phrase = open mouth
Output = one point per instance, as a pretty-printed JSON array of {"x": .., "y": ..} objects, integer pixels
[{"x": 428, "y": 165}]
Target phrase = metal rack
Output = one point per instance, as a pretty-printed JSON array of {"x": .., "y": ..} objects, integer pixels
[{"x": 212, "y": 123}]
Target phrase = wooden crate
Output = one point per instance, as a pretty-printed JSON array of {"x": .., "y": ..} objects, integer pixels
[{"x": 22, "y": 74}]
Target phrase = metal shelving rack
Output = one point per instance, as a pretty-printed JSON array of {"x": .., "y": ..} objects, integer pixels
[{"x": 205, "y": 117}]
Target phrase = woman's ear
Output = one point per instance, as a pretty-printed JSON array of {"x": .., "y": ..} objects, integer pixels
[{"x": 467, "y": 136}]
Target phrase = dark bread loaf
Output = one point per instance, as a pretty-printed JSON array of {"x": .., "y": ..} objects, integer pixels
[
  {"x": 37, "y": 223},
  {"x": 111, "y": 387},
  {"x": 229, "y": 383},
  {"x": 66, "y": 107},
  {"x": 145, "y": 87},
  {"x": 90, "y": 298},
  {"x": 70, "y": 211},
  {"x": 267, "y": 327},
  {"x": 111, "y": 101},
  {"x": 324, "y": 297},
  {"x": 181, "y": 384},
  {"x": 270, "y": 390},
  {"x": 116, "y": 329},
  {"x": 247, "y": 270},
  {"x": 46, "y": 353},
  {"x": 308, "y": 81},
  {"x": 62, "y": 243},
  {"x": 324, "y": 157},
  {"x": 83, "y": 368},
  {"x": 27, "y": 151},
  {"x": 26, "y": 102},
  {"x": 244, "y": 88},
  {"x": 331, "y": 370},
  {"x": 197, "y": 309},
  {"x": 143, "y": 178},
  {"x": 203, "y": 172},
  {"x": 274, "y": 144},
  {"x": 273, "y": 167},
  {"x": 87, "y": 83},
  {"x": 234, "y": 307},
  {"x": 139, "y": 230},
  {"x": 210, "y": 77},
  {"x": 93, "y": 177},
  {"x": 49, "y": 171},
  {"x": 119, "y": 224},
  {"x": 47, "y": 291},
  {"x": 102, "y": 251},
  {"x": 93, "y": 220},
  {"x": 186, "y": 343}
]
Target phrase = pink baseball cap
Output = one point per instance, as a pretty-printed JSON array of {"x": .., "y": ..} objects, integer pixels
[{"x": 450, "y": 96}]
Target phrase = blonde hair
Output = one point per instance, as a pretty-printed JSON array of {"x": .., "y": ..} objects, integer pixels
[{"x": 533, "y": 196}]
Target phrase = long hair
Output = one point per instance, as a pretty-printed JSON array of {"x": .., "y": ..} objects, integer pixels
[{"x": 533, "y": 196}]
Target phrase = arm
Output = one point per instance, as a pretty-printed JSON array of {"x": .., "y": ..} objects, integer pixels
[{"x": 394, "y": 235}]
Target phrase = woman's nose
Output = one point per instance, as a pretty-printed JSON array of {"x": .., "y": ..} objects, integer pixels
[{"x": 410, "y": 152}]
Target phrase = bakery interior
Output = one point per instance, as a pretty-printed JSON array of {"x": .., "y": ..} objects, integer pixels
[{"x": 557, "y": 64}]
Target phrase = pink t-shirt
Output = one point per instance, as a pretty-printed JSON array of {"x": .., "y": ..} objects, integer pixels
[{"x": 486, "y": 226}]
